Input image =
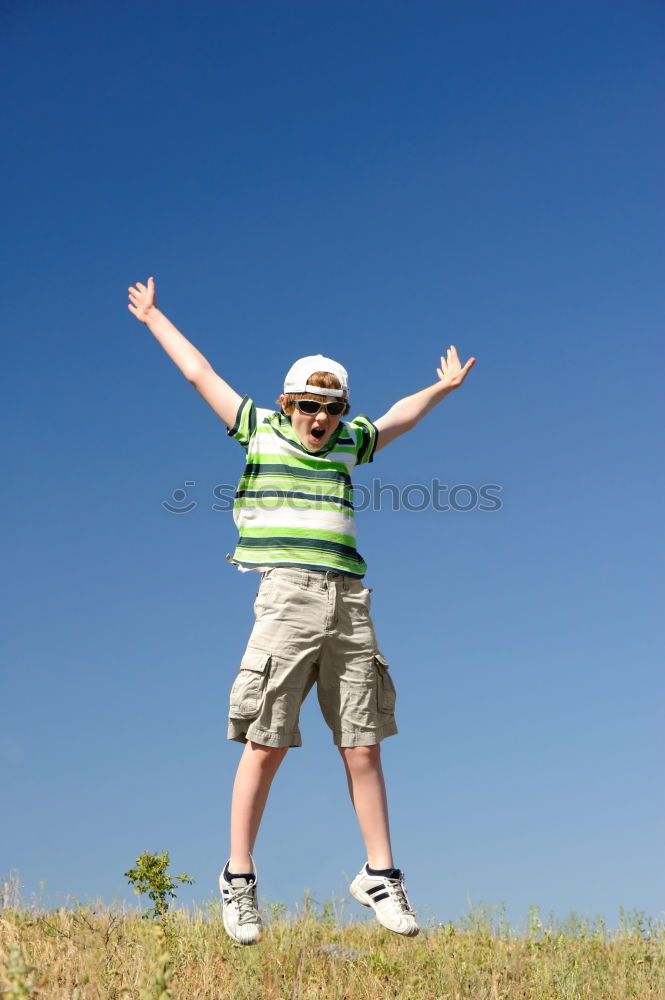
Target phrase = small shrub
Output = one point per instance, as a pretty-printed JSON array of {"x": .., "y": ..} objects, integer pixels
[{"x": 152, "y": 878}]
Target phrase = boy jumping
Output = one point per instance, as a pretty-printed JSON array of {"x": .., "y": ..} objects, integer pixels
[{"x": 294, "y": 511}]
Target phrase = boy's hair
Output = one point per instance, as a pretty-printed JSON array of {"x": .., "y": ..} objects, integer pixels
[{"x": 324, "y": 380}]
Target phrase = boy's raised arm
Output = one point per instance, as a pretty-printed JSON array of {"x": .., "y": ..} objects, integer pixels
[
  {"x": 217, "y": 393},
  {"x": 409, "y": 411}
]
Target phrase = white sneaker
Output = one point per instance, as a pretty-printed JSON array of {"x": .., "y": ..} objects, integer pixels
[
  {"x": 388, "y": 899},
  {"x": 240, "y": 908}
]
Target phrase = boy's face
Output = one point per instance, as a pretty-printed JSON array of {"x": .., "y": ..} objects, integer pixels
[{"x": 314, "y": 431}]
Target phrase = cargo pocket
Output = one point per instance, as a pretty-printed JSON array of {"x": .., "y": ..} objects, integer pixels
[
  {"x": 249, "y": 685},
  {"x": 385, "y": 690}
]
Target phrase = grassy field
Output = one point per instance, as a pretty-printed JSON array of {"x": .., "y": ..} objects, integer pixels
[{"x": 101, "y": 953}]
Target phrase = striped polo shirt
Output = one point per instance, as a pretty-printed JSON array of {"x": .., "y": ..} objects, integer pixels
[{"x": 294, "y": 507}]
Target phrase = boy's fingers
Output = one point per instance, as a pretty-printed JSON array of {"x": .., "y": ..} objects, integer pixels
[{"x": 141, "y": 287}]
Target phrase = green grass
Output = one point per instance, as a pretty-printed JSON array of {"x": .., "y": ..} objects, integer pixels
[{"x": 102, "y": 953}]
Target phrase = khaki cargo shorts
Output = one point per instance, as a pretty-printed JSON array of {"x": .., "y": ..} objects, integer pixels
[{"x": 312, "y": 627}]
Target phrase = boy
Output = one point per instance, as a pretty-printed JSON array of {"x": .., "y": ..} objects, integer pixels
[{"x": 294, "y": 511}]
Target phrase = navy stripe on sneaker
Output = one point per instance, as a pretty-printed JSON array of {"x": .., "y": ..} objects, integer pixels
[
  {"x": 375, "y": 888},
  {"x": 384, "y": 895}
]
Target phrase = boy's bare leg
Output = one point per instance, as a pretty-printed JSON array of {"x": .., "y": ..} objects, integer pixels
[
  {"x": 375, "y": 885},
  {"x": 256, "y": 769},
  {"x": 368, "y": 794}
]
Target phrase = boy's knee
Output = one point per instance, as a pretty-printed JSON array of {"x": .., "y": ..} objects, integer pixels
[
  {"x": 264, "y": 755},
  {"x": 361, "y": 757}
]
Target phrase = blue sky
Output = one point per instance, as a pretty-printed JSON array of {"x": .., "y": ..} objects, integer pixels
[{"x": 374, "y": 182}]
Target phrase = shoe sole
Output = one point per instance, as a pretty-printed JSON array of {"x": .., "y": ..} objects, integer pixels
[
  {"x": 243, "y": 943},
  {"x": 365, "y": 900}
]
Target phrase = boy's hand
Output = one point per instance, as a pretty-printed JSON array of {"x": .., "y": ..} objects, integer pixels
[
  {"x": 451, "y": 372},
  {"x": 142, "y": 300},
  {"x": 407, "y": 412}
]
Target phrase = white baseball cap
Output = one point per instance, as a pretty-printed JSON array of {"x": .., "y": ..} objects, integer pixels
[{"x": 298, "y": 376}]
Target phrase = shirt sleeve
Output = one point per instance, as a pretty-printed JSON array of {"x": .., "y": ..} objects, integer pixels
[
  {"x": 247, "y": 420},
  {"x": 366, "y": 435}
]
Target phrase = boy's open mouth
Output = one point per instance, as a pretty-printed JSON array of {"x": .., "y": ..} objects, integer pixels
[{"x": 318, "y": 432}]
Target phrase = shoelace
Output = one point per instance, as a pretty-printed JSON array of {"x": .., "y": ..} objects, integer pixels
[
  {"x": 243, "y": 896},
  {"x": 397, "y": 889}
]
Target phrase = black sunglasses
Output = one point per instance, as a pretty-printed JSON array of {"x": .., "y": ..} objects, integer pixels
[{"x": 312, "y": 406}]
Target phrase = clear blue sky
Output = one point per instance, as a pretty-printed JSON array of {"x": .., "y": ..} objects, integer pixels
[{"x": 373, "y": 181}]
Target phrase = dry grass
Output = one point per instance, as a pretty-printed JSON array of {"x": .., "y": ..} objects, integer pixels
[{"x": 97, "y": 953}]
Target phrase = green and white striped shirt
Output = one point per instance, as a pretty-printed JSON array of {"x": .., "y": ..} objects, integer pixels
[{"x": 294, "y": 507}]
